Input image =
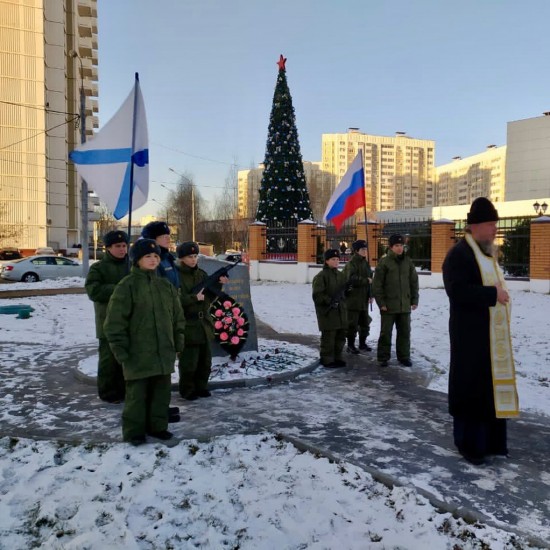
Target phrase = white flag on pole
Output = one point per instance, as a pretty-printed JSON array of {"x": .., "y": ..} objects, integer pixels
[{"x": 105, "y": 162}]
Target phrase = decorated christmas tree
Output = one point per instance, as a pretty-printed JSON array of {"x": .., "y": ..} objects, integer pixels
[{"x": 284, "y": 199}]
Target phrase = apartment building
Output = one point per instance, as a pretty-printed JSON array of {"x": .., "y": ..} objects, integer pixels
[
  {"x": 399, "y": 170},
  {"x": 528, "y": 158},
  {"x": 320, "y": 185},
  {"x": 48, "y": 55},
  {"x": 464, "y": 179}
]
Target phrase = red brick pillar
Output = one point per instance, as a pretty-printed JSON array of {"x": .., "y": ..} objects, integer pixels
[
  {"x": 372, "y": 230},
  {"x": 539, "y": 255},
  {"x": 443, "y": 238},
  {"x": 307, "y": 242},
  {"x": 361, "y": 231},
  {"x": 257, "y": 241}
]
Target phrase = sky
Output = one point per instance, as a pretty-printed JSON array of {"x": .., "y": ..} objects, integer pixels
[
  {"x": 245, "y": 490},
  {"x": 437, "y": 70}
]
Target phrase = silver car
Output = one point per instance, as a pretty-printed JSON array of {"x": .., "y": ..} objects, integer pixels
[{"x": 36, "y": 268}]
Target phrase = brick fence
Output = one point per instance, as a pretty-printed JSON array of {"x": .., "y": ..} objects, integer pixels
[{"x": 312, "y": 238}]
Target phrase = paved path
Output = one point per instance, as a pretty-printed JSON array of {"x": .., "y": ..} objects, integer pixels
[{"x": 383, "y": 420}]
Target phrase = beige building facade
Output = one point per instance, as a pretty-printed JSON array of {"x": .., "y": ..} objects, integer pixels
[
  {"x": 399, "y": 170},
  {"x": 528, "y": 159},
  {"x": 320, "y": 185},
  {"x": 48, "y": 50},
  {"x": 464, "y": 179}
]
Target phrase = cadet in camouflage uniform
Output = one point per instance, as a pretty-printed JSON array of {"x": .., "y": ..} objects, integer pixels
[
  {"x": 100, "y": 284},
  {"x": 160, "y": 233},
  {"x": 328, "y": 287},
  {"x": 359, "y": 275},
  {"x": 395, "y": 289},
  {"x": 195, "y": 363},
  {"x": 145, "y": 327}
]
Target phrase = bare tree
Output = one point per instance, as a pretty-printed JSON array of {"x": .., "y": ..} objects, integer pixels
[
  {"x": 226, "y": 208},
  {"x": 185, "y": 208},
  {"x": 106, "y": 221}
]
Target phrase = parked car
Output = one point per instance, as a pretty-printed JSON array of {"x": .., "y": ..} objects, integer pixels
[
  {"x": 37, "y": 268},
  {"x": 230, "y": 257},
  {"x": 9, "y": 254},
  {"x": 44, "y": 250}
]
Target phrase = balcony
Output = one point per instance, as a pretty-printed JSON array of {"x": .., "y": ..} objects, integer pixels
[{"x": 84, "y": 8}]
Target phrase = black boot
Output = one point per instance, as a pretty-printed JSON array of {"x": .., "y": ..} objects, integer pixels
[
  {"x": 351, "y": 347},
  {"x": 363, "y": 346}
]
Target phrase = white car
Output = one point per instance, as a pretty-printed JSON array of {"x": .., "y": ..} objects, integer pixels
[{"x": 36, "y": 268}]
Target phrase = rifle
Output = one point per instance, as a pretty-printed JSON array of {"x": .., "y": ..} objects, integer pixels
[
  {"x": 338, "y": 296},
  {"x": 207, "y": 283}
]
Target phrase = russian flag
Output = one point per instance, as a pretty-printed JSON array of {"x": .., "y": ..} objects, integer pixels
[{"x": 349, "y": 195}]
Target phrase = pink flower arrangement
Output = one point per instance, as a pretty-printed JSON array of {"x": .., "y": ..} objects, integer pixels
[{"x": 230, "y": 324}]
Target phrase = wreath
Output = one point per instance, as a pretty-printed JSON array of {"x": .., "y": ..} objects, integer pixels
[{"x": 230, "y": 324}]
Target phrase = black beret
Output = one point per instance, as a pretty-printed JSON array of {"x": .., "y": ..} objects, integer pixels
[
  {"x": 332, "y": 253},
  {"x": 115, "y": 237},
  {"x": 396, "y": 239},
  {"x": 187, "y": 248},
  {"x": 482, "y": 210},
  {"x": 359, "y": 244},
  {"x": 155, "y": 229},
  {"x": 142, "y": 247}
]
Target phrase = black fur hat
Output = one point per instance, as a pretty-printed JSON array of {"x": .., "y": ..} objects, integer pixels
[
  {"x": 155, "y": 229},
  {"x": 115, "y": 237},
  {"x": 358, "y": 245},
  {"x": 331, "y": 253},
  {"x": 396, "y": 239},
  {"x": 482, "y": 210},
  {"x": 141, "y": 248},
  {"x": 187, "y": 248}
]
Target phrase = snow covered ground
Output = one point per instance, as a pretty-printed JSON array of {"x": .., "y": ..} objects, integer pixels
[
  {"x": 429, "y": 334},
  {"x": 248, "y": 492}
]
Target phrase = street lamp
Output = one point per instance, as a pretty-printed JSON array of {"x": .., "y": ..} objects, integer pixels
[
  {"x": 84, "y": 185},
  {"x": 192, "y": 201},
  {"x": 540, "y": 209}
]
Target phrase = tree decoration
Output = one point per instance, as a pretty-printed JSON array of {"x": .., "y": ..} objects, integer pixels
[{"x": 283, "y": 180}]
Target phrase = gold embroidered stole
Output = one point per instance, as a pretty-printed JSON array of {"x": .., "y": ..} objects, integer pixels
[{"x": 502, "y": 358}]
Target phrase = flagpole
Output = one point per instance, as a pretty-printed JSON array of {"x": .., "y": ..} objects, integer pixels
[
  {"x": 365, "y": 209},
  {"x": 131, "y": 197}
]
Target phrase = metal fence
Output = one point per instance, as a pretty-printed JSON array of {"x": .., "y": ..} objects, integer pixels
[
  {"x": 418, "y": 240},
  {"x": 341, "y": 239},
  {"x": 282, "y": 240},
  {"x": 513, "y": 242}
]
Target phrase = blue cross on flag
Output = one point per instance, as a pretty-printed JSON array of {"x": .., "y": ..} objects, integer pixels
[{"x": 106, "y": 161}]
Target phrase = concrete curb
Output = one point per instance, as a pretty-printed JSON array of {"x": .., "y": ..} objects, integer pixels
[{"x": 277, "y": 378}]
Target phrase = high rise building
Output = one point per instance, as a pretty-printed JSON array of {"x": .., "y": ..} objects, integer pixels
[
  {"x": 48, "y": 54},
  {"x": 320, "y": 186},
  {"x": 528, "y": 158},
  {"x": 399, "y": 171},
  {"x": 464, "y": 179}
]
